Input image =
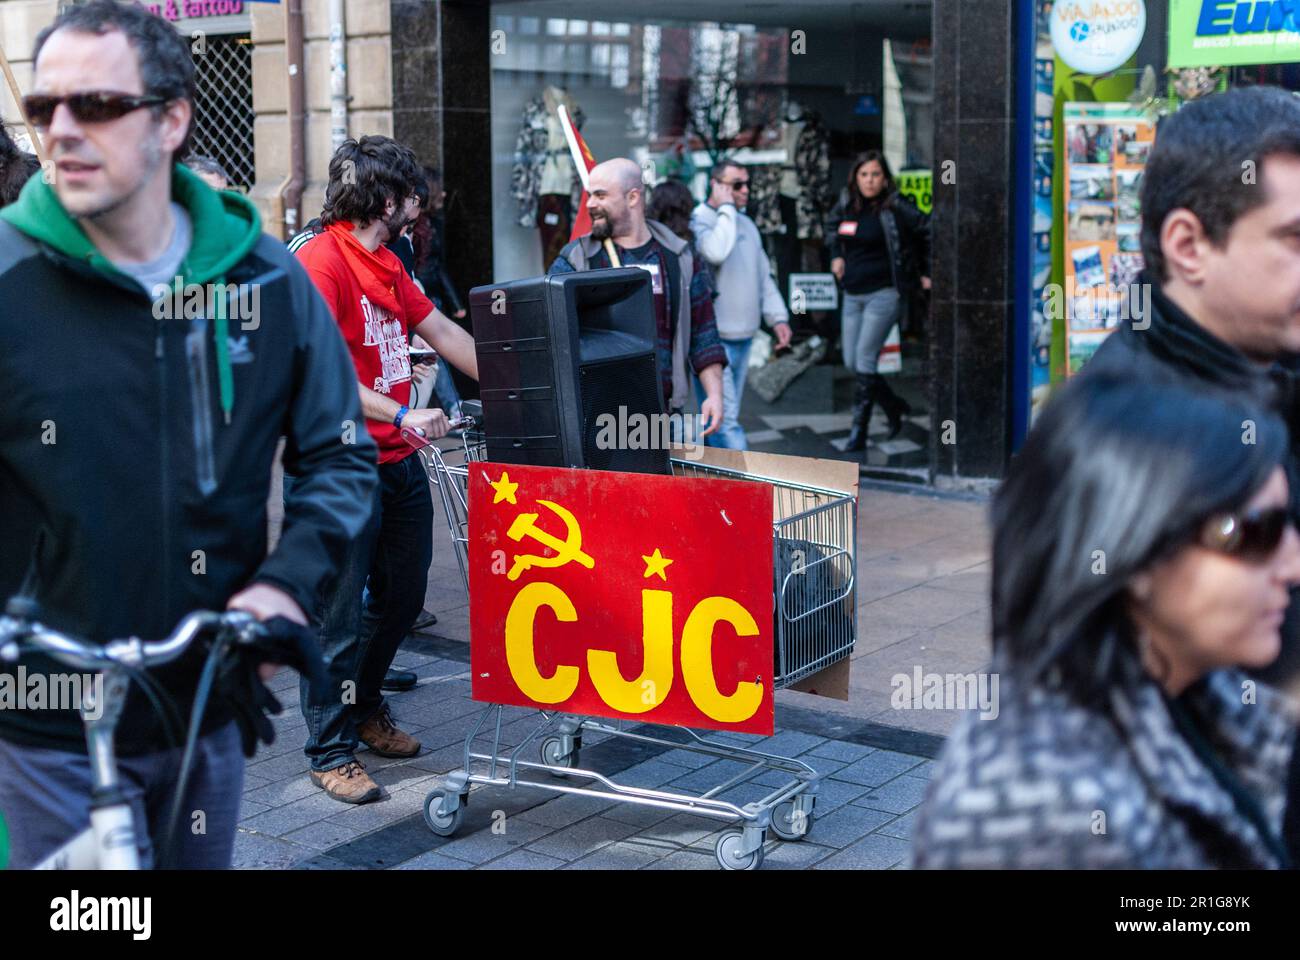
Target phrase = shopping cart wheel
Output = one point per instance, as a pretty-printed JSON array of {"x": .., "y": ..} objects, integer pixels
[
  {"x": 553, "y": 754},
  {"x": 443, "y": 824},
  {"x": 727, "y": 850},
  {"x": 789, "y": 825}
]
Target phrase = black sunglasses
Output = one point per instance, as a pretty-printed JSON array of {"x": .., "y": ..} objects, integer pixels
[
  {"x": 92, "y": 106},
  {"x": 1252, "y": 536}
]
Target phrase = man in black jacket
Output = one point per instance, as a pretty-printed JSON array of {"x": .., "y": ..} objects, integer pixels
[
  {"x": 1218, "y": 307},
  {"x": 195, "y": 342}
]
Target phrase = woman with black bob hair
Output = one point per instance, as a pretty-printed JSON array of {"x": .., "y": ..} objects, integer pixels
[{"x": 1142, "y": 555}]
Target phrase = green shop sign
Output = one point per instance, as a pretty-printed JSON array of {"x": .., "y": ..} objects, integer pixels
[
  {"x": 1228, "y": 33},
  {"x": 918, "y": 185}
]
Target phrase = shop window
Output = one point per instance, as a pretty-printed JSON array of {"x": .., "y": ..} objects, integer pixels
[
  {"x": 529, "y": 56},
  {"x": 618, "y": 69},
  {"x": 575, "y": 58},
  {"x": 223, "y": 105}
]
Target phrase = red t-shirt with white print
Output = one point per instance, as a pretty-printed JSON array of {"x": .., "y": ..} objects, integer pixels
[{"x": 376, "y": 337}]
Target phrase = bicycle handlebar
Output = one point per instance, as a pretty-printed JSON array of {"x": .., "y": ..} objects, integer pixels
[{"x": 18, "y": 631}]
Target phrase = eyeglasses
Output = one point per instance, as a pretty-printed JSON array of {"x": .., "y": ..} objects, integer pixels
[
  {"x": 736, "y": 184},
  {"x": 1252, "y": 536},
  {"x": 92, "y": 106}
]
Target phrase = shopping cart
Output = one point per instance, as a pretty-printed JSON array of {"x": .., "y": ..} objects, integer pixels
[{"x": 814, "y": 601}]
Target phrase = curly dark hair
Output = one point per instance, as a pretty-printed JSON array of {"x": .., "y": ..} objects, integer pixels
[
  {"x": 364, "y": 175},
  {"x": 163, "y": 55},
  {"x": 671, "y": 204},
  {"x": 16, "y": 168}
]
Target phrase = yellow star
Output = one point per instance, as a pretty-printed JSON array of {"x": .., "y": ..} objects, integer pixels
[
  {"x": 656, "y": 563},
  {"x": 505, "y": 490}
]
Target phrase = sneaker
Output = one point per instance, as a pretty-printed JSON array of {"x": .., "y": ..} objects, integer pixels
[
  {"x": 348, "y": 784},
  {"x": 381, "y": 735}
]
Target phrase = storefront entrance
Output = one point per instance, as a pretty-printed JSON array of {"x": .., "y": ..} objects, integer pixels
[{"x": 793, "y": 94}]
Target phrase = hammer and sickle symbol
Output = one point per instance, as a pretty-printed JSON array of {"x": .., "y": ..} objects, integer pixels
[{"x": 570, "y": 548}]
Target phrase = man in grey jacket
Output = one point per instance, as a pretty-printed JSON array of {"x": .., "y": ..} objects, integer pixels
[
  {"x": 686, "y": 336},
  {"x": 729, "y": 240}
]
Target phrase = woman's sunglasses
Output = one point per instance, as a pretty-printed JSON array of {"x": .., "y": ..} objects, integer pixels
[
  {"x": 93, "y": 106},
  {"x": 1252, "y": 536}
]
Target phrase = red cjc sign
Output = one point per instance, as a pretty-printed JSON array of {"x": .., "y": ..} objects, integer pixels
[{"x": 622, "y": 595}]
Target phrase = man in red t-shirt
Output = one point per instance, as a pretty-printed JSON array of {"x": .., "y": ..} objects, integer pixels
[{"x": 370, "y": 198}]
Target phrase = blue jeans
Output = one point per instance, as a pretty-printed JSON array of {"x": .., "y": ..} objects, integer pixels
[
  {"x": 378, "y": 596},
  {"x": 45, "y": 799},
  {"x": 445, "y": 388},
  {"x": 867, "y": 319},
  {"x": 732, "y": 434}
]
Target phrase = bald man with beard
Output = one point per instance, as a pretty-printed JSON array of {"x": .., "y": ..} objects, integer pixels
[{"x": 687, "y": 334}]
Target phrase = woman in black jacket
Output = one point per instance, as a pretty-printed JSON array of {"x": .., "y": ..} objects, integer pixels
[
  {"x": 1142, "y": 555},
  {"x": 880, "y": 252}
]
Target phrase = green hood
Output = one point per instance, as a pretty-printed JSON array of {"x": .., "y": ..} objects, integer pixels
[{"x": 226, "y": 227}]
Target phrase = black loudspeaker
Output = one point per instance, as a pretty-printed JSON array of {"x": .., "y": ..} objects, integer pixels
[{"x": 557, "y": 352}]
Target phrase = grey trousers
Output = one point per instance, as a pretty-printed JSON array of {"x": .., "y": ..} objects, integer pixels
[
  {"x": 866, "y": 319},
  {"x": 45, "y": 800}
]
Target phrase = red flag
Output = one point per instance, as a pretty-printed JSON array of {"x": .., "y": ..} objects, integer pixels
[{"x": 582, "y": 156}]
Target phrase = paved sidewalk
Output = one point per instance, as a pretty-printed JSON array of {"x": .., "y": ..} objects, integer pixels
[
  {"x": 861, "y": 819},
  {"x": 922, "y": 582},
  {"x": 923, "y": 601}
]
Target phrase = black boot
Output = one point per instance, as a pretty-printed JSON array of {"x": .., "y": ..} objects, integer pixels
[
  {"x": 895, "y": 407},
  {"x": 863, "y": 400},
  {"x": 397, "y": 680}
]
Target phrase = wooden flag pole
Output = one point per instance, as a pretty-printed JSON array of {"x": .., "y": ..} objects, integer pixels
[
  {"x": 581, "y": 164},
  {"x": 18, "y": 100}
]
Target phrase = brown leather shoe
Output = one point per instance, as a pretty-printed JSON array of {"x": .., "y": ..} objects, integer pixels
[
  {"x": 381, "y": 735},
  {"x": 349, "y": 783}
]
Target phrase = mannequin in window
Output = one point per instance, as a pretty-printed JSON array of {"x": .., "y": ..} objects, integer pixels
[{"x": 543, "y": 179}]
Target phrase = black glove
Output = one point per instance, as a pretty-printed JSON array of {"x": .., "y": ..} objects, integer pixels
[{"x": 277, "y": 641}]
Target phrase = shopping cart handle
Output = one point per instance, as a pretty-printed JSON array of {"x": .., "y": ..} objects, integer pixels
[{"x": 415, "y": 437}]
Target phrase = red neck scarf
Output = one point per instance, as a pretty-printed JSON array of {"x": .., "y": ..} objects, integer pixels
[{"x": 377, "y": 272}]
